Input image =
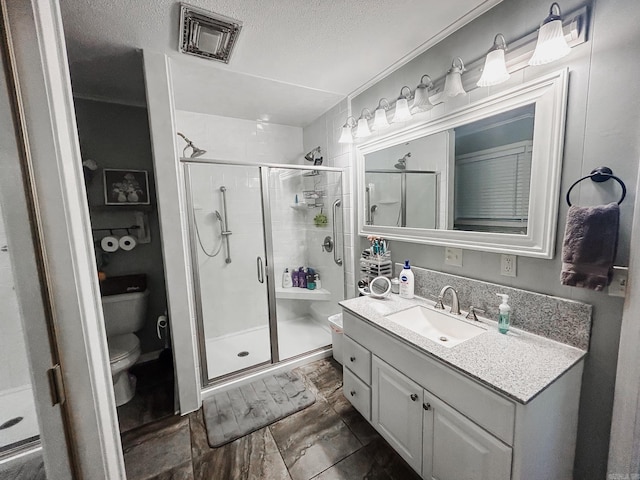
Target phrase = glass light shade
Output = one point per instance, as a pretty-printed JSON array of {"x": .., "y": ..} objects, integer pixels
[
  {"x": 380, "y": 121},
  {"x": 362, "y": 130},
  {"x": 346, "y": 136},
  {"x": 402, "y": 113},
  {"x": 453, "y": 84},
  {"x": 495, "y": 69},
  {"x": 551, "y": 44},
  {"x": 421, "y": 102}
]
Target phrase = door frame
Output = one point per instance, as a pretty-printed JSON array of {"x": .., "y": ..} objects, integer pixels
[{"x": 35, "y": 41}]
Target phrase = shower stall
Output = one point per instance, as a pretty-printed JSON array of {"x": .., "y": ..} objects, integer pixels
[{"x": 249, "y": 226}]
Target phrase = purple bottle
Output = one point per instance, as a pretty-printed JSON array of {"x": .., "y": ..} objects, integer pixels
[
  {"x": 302, "y": 278},
  {"x": 295, "y": 279}
]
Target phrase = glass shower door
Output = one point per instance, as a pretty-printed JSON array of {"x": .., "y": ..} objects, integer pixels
[
  {"x": 307, "y": 235},
  {"x": 228, "y": 256}
]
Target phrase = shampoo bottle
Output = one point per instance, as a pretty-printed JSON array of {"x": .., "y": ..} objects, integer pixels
[
  {"x": 505, "y": 310},
  {"x": 406, "y": 281},
  {"x": 286, "y": 279}
]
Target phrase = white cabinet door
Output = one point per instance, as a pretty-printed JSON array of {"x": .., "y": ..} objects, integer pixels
[
  {"x": 397, "y": 411},
  {"x": 455, "y": 448}
]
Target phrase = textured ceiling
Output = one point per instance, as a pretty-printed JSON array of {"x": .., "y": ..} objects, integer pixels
[{"x": 329, "y": 47}]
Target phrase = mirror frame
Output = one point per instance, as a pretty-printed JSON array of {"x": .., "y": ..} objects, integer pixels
[{"x": 549, "y": 94}]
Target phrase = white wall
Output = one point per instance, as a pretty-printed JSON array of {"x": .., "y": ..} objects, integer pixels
[
  {"x": 14, "y": 366},
  {"x": 232, "y": 299}
]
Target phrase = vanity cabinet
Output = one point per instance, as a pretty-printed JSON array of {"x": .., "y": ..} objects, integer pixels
[
  {"x": 456, "y": 448},
  {"x": 397, "y": 411},
  {"x": 448, "y": 426}
]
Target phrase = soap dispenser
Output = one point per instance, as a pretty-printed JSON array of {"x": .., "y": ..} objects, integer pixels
[
  {"x": 505, "y": 310},
  {"x": 406, "y": 281}
]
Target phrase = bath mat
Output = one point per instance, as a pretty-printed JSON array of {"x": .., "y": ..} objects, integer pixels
[{"x": 237, "y": 412}]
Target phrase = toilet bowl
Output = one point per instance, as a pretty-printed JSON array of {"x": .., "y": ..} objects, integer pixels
[{"x": 123, "y": 315}]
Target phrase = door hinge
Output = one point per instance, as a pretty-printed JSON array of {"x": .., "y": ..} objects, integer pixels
[{"x": 56, "y": 386}]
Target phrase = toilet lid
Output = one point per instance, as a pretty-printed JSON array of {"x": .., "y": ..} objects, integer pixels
[{"x": 121, "y": 346}]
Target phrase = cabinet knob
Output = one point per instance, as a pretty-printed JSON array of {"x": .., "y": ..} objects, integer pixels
[
  {"x": 426, "y": 406},
  {"x": 353, "y": 393},
  {"x": 353, "y": 359},
  {"x": 414, "y": 397}
]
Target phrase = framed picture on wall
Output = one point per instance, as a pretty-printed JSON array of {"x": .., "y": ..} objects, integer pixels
[{"x": 126, "y": 187}]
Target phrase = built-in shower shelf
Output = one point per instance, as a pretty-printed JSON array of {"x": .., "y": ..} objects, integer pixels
[
  {"x": 295, "y": 293},
  {"x": 303, "y": 206}
]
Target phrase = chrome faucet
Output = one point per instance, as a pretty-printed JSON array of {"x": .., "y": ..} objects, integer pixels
[{"x": 455, "y": 305}]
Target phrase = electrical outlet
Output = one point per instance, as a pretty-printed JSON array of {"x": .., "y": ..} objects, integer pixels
[
  {"x": 508, "y": 265},
  {"x": 453, "y": 256},
  {"x": 618, "y": 285}
]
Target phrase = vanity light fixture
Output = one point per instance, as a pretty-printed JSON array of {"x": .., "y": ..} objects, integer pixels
[
  {"x": 453, "y": 81},
  {"x": 347, "y": 135},
  {"x": 495, "y": 68},
  {"x": 421, "y": 102},
  {"x": 363, "y": 131},
  {"x": 380, "y": 121},
  {"x": 551, "y": 44},
  {"x": 402, "y": 113}
]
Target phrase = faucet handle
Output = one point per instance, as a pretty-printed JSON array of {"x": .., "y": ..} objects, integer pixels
[{"x": 472, "y": 313}]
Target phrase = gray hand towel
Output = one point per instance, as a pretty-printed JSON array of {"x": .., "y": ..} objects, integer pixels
[{"x": 589, "y": 247}]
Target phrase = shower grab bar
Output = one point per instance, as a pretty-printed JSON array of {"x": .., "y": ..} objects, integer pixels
[
  {"x": 368, "y": 213},
  {"x": 337, "y": 260},
  {"x": 225, "y": 227},
  {"x": 260, "y": 269}
]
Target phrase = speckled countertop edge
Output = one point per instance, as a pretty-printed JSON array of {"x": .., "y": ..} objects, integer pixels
[{"x": 519, "y": 364}]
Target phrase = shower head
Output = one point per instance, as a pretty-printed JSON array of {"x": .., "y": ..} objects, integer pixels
[
  {"x": 402, "y": 163},
  {"x": 195, "y": 151},
  {"x": 311, "y": 156}
]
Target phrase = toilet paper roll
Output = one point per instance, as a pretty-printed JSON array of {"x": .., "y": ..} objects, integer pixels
[
  {"x": 109, "y": 243},
  {"x": 127, "y": 243}
]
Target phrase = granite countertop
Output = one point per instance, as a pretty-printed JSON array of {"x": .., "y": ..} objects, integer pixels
[{"x": 519, "y": 364}]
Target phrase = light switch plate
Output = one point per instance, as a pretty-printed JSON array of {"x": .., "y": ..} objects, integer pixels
[
  {"x": 508, "y": 265},
  {"x": 618, "y": 285},
  {"x": 453, "y": 256}
]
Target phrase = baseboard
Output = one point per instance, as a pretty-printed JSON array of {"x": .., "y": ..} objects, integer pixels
[{"x": 149, "y": 356}]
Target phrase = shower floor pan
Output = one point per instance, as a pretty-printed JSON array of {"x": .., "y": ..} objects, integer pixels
[{"x": 250, "y": 347}]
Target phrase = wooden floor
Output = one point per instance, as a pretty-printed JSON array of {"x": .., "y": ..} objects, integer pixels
[{"x": 328, "y": 440}]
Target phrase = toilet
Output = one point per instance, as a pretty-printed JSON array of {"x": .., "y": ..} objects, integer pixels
[{"x": 124, "y": 314}]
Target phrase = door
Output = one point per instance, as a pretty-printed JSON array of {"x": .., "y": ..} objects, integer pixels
[
  {"x": 455, "y": 448},
  {"x": 397, "y": 411},
  {"x": 306, "y": 240},
  {"x": 50, "y": 249},
  {"x": 230, "y": 266}
]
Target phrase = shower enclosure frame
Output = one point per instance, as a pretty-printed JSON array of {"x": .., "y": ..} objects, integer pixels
[{"x": 265, "y": 197}]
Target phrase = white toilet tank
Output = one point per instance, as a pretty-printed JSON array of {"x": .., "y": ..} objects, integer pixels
[{"x": 125, "y": 313}]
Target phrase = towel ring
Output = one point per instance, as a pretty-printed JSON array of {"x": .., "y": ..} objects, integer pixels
[{"x": 600, "y": 174}]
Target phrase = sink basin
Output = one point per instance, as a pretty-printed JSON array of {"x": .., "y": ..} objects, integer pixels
[{"x": 439, "y": 327}]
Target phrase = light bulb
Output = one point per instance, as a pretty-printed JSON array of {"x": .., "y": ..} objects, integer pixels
[{"x": 551, "y": 44}]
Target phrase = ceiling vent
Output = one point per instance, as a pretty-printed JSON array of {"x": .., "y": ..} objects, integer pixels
[{"x": 206, "y": 34}]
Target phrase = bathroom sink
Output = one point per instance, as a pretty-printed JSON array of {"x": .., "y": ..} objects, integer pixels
[{"x": 439, "y": 327}]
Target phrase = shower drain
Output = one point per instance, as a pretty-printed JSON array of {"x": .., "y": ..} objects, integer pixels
[
  {"x": 11, "y": 423},
  {"x": 244, "y": 353}
]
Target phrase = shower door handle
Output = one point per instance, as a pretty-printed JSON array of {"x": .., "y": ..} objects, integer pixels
[
  {"x": 337, "y": 260},
  {"x": 260, "y": 270}
]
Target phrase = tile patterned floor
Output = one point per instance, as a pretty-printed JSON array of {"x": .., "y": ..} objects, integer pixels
[{"x": 329, "y": 440}]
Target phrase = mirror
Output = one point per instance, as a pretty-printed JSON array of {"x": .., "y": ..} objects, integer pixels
[{"x": 483, "y": 177}]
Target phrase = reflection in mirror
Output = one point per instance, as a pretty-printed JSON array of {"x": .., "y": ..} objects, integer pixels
[
  {"x": 401, "y": 183},
  {"x": 493, "y": 172}
]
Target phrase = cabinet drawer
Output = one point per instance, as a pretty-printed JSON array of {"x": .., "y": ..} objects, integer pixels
[
  {"x": 357, "y": 393},
  {"x": 357, "y": 359}
]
